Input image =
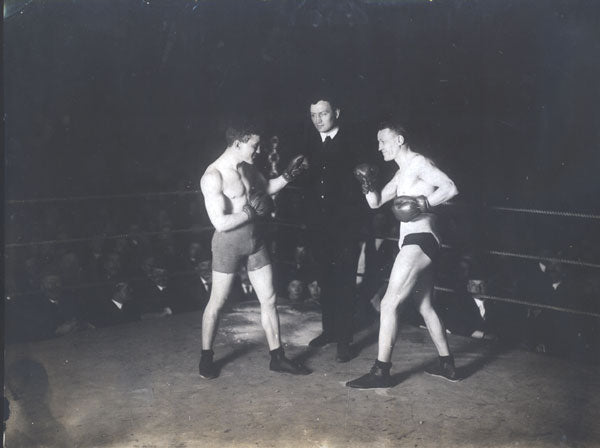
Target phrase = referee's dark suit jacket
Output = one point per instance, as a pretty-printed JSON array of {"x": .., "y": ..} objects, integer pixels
[{"x": 336, "y": 214}]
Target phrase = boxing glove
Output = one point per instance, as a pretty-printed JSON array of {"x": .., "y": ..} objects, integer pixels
[
  {"x": 259, "y": 205},
  {"x": 367, "y": 176},
  {"x": 407, "y": 208},
  {"x": 295, "y": 168}
]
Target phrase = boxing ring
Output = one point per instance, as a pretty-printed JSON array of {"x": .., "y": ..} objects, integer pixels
[{"x": 137, "y": 385}]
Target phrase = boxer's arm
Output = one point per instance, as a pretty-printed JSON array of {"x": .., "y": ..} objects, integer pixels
[
  {"x": 259, "y": 182},
  {"x": 276, "y": 185},
  {"x": 211, "y": 185},
  {"x": 296, "y": 167},
  {"x": 376, "y": 199},
  {"x": 445, "y": 188}
]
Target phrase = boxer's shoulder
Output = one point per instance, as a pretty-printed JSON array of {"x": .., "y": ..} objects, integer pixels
[
  {"x": 420, "y": 162},
  {"x": 212, "y": 180}
]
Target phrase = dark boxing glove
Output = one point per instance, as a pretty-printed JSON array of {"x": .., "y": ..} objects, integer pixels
[
  {"x": 295, "y": 168},
  {"x": 367, "y": 176},
  {"x": 407, "y": 208},
  {"x": 259, "y": 205}
]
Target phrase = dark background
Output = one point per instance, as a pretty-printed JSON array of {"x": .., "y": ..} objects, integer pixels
[{"x": 130, "y": 95}]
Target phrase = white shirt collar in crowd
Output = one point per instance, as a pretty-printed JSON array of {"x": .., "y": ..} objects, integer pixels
[{"x": 331, "y": 133}]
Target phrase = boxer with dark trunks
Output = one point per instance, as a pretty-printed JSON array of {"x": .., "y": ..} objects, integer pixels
[
  {"x": 417, "y": 186},
  {"x": 238, "y": 200}
]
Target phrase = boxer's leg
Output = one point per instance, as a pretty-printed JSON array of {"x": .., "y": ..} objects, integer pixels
[
  {"x": 408, "y": 265},
  {"x": 262, "y": 282},
  {"x": 221, "y": 286}
]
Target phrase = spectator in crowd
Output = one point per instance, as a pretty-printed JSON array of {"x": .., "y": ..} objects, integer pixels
[
  {"x": 153, "y": 292},
  {"x": 302, "y": 266},
  {"x": 545, "y": 282},
  {"x": 112, "y": 268},
  {"x": 462, "y": 310},
  {"x": 70, "y": 269},
  {"x": 314, "y": 291},
  {"x": 196, "y": 254},
  {"x": 94, "y": 258},
  {"x": 195, "y": 287},
  {"x": 26, "y": 276},
  {"x": 506, "y": 320},
  {"x": 166, "y": 250},
  {"x": 116, "y": 307},
  {"x": 296, "y": 291},
  {"x": 45, "y": 314},
  {"x": 204, "y": 273},
  {"x": 59, "y": 309}
]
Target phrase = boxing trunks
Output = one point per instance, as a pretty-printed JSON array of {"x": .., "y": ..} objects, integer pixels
[
  {"x": 426, "y": 241},
  {"x": 230, "y": 248}
]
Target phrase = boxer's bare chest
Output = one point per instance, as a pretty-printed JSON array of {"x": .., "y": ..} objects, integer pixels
[
  {"x": 234, "y": 184},
  {"x": 406, "y": 178},
  {"x": 241, "y": 181},
  {"x": 409, "y": 181}
]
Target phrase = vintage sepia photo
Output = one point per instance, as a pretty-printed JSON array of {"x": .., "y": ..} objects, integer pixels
[{"x": 301, "y": 223}]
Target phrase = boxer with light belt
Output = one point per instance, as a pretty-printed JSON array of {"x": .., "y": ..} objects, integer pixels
[
  {"x": 237, "y": 199},
  {"x": 417, "y": 186}
]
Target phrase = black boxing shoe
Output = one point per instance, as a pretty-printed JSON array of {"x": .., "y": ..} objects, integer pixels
[
  {"x": 206, "y": 367},
  {"x": 343, "y": 353},
  {"x": 378, "y": 378},
  {"x": 279, "y": 363},
  {"x": 444, "y": 368},
  {"x": 321, "y": 341}
]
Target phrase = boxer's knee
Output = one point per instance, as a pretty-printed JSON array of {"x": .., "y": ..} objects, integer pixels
[
  {"x": 389, "y": 305},
  {"x": 268, "y": 301},
  {"x": 426, "y": 310},
  {"x": 214, "y": 306}
]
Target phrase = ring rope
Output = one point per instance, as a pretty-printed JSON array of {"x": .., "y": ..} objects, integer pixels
[
  {"x": 299, "y": 226},
  {"x": 291, "y": 187},
  {"x": 202, "y": 229},
  {"x": 125, "y": 235},
  {"x": 524, "y": 256},
  {"x": 96, "y": 284},
  {"x": 534, "y": 257},
  {"x": 95, "y": 197},
  {"x": 437, "y": 288},
  {"x": 107, "y": 237},
  {"x": 545, "y": 212},
  {"x": 91, "y": 285},
  {"x": 525, "y": 302}
]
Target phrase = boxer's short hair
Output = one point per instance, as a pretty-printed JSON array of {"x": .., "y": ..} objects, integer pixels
[
  {"x": 397, "y": 126},
  {"x": 240, "y": 130}
]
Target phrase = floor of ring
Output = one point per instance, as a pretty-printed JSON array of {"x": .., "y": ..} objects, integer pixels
[{"x": 137, "y": 386}]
